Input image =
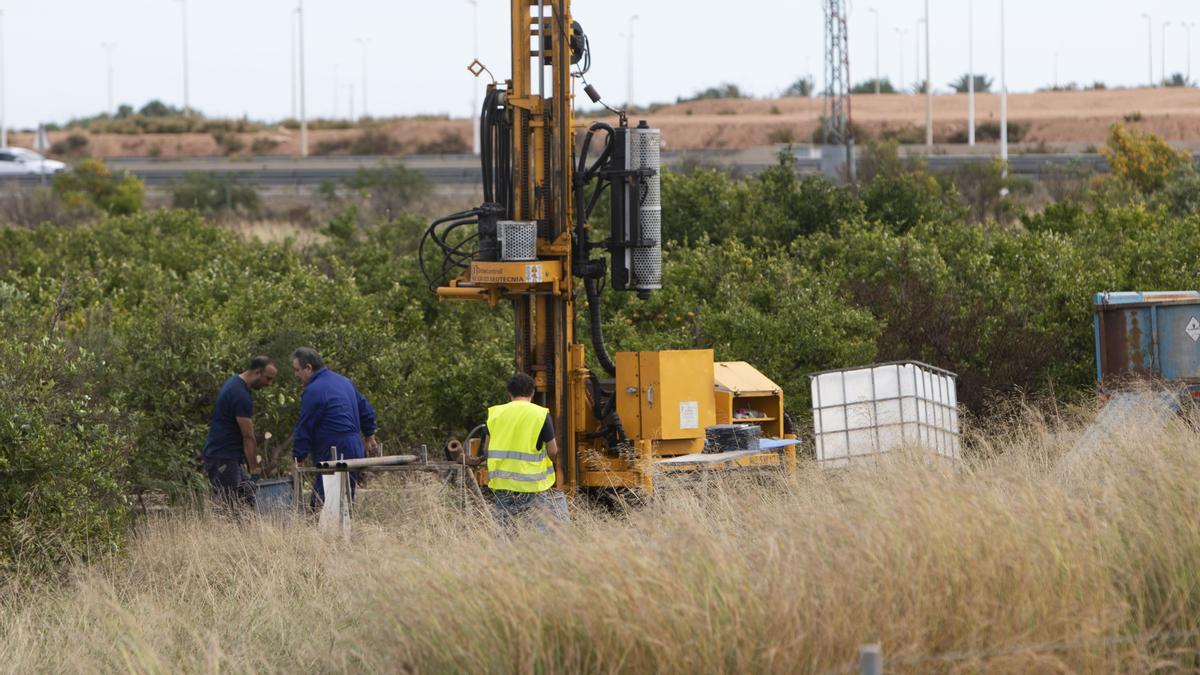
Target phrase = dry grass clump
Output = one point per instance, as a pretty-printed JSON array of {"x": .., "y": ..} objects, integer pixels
[{"x": 1020, "y": 563}]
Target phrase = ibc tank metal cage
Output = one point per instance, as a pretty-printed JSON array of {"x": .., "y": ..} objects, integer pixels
[{"x": 861, "y": 413}]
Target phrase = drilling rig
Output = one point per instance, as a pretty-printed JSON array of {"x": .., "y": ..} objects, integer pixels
[{"x": 530, "y": 244}]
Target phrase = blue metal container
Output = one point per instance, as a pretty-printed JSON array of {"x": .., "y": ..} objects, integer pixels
[
  {"x": 1142, "y": 336},
  {"x": 275, "y": 497}
]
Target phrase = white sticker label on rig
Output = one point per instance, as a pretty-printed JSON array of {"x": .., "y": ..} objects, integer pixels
[
  {"x": 1193, "y": 329},
  {"x": 533, "y": 274},
  {"x": 689, "y": 415}
]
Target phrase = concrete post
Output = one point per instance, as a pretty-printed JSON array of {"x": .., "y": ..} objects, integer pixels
[{"x": 870, "y": 660}]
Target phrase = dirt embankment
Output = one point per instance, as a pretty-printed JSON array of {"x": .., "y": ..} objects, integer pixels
[{"x": 1053, "y": 119}]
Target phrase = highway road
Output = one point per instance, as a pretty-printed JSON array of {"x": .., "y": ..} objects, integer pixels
[{"x": 461, "y": 171}]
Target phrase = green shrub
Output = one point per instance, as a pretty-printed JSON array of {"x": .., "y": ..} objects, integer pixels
[
  {"x": 62, "y": 457},
  {"x": 91, "y": 185},
  {"x": 374, "y": 142},
  {"x": 228, "y": 142},
  {"x": 211, "y": 193},
  {"x": 1143, "y": 159},
  {"x": 389, "y": 190},
  {"x": 263, "y": 145},
  {"x": 333, "y": 146},
  {"x": 449, "y": 143},
  {"x": 989, "y": 132},
  {"x": 74, "y": 145}
]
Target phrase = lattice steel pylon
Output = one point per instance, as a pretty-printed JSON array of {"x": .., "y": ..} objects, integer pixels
[{"x": 838, "y": 130}]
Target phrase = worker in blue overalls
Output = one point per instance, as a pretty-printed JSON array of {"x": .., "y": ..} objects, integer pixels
[{"x": 333, "y": 414}]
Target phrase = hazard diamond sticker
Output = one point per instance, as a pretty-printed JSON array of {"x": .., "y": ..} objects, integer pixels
[{"x": 1193, "y": 329}]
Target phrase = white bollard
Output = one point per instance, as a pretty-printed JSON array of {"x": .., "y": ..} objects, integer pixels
[{"x": 870, "y": 660}]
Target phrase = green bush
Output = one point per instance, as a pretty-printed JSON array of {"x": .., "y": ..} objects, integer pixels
[
  {"x": 212, "y": 193},
  {"x": 91, "y": 185},
  {"x": 1143, "y": 159},
  {"x": 74, "y": 145},
  {"x": 228, "y": 141},
  {"x": 62, "y": 456},
  {"x": 389, "y": 190},
  {"x": 374, "y": 142},
  {"x": 449, "y": 143}
]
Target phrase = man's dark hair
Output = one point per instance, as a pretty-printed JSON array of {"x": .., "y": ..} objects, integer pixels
[
  {"x": 261, "y": 361},
  {"x": 307, "y": 356},
  {"x": 520, "y": 386}
]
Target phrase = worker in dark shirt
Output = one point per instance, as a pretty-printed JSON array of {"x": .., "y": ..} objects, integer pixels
[
  {"x": 231, "y": 451},
  {"x": 333, "y": 414}
]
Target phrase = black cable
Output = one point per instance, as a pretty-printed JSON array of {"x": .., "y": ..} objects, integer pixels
[
  {"x": 449, "y": 253},
  {"x": 593, "y": 298}
]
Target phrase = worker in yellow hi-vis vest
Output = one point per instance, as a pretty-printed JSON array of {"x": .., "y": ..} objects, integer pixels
[{"x": 520, "y": 449}]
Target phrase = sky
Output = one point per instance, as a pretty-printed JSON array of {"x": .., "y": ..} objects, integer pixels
[{"x": 55, "y": 67}]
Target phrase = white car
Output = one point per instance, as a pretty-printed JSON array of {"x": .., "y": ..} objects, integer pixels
[{"x": 21, "y": 162}]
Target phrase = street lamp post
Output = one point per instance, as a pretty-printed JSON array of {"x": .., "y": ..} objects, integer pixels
[
  {"x": 303, "y": 102},
  {"x": 903, "y": 33},
  {"x": 108, "y": 48},
  {"x": 337, "y": 87},
  {"x": 629, "y": 83},
  {"x": 1164, "y": 51},
  {"x": 876, "y": 13},
  {"x": 1188, "y": 27},
  {"x": 971, "y": 73},
  {"x": 187, "y": 104},
  {"x": 292, "y": 16},
  {"x": 1003, "y": 96},
  {"x": 4, "y": 93},
  {"x": 917, "y": 55},
  {"x": 362, "y": 42},
  {"x": 928, "y": 82},
  {"x": 1150, "y": 46}
]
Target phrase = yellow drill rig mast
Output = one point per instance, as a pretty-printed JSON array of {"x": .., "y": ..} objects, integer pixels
[{"x": 529, "y": 244}]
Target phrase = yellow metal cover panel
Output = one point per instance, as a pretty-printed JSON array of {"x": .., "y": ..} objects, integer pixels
[
  {"x": 538, "y": 272},
  {"x": 740, "y": 377},
  {"x": 677, "y": 394},
  {"x": 628, "y": 392}
]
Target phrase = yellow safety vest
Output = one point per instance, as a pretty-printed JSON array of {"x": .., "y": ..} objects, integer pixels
[{"x": 515, "y": 462}]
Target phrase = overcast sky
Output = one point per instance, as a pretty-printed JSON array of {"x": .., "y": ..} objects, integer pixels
[{"x": 419, "y": 50}]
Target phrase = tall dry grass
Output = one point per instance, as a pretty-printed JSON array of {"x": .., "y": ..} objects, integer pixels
[{"x": 1020, "y": 563}]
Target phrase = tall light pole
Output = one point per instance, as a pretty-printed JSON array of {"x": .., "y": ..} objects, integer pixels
[
  {"x": 928, "y": 82},
  {"x": 917, "y": 55},
  {"x": 303, "y": 103},
  {"x": 903, "y": 33},
  {"x": 629, "y": 81},
  {"x": 1188, "y": 27},
  {"x": 292, "y": 16},
  {"x": 1003, "y": 96},
  {"x": 971, "y": 72},
  {"x": 876, "y": 13},
  {"x": 1056, "y": 87},
  {"x": 1150, "y": 45},
  {"x": 4, "y": 93},
  {"x": 337, "y": 87},
  {"x": 364, "y": 43},
  {"x": 1164, "y": 51},
  {"x": 475, "y": 112},
  {"x": 187, "y": 104},
  {"x": 108, "y": 48}
]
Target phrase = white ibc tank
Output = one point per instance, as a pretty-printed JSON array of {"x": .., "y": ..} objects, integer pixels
[{"x": 859, "y": 413}]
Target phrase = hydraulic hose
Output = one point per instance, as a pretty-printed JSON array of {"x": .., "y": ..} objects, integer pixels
[{"x": 593, "y": 298}]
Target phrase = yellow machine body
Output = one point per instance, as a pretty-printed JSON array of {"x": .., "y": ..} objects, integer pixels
[{"x": 665, "y": 399}]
